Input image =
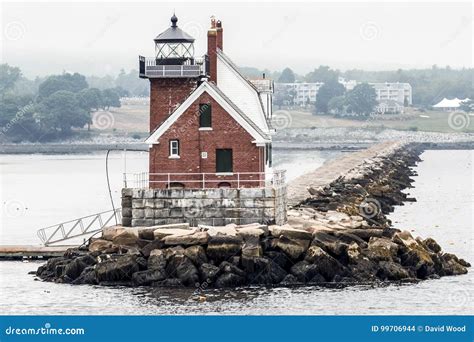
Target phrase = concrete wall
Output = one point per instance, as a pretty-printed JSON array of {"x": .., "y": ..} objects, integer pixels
[{"x": 148, "y": 207}]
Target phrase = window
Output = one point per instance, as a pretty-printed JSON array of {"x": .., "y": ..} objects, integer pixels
[
  {"x": 224, "y": 160},
  {"x": 205, "y": 117},
  {"x": 174, "y": 148},
  {"x": 268, "y": 154}
]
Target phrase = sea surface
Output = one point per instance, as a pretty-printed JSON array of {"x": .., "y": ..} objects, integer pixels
[{"x": 41, "y": 190}]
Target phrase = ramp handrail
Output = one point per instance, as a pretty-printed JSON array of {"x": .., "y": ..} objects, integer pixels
[{"x": 82, "y": 226}]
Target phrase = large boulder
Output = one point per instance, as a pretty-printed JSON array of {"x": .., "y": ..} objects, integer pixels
[
  {"x": 390, "y": 270},
  {"x": 451, "y": 265},
  {"x": 432, "y": 245},
  {"x": 198, "y": 238},
  {"x": 128, "y": 237},
  {"x": 304, "y": 271},
  {"x": 180, "y": 267},
  {"x": 382, "y": 249},
  {"x": 77, "y": 265},
  {"x": 326, "y": 265},
  {"x": 290, "y": 232},
  {"x": 223, "y": 247},
  {"x": 148, "y": 277},
  {"x": 161, "y": 233},
  {"x": 263, "y": 271},
  {"x": 196, "y": 254},
  {"x": 148, "y": 248},
  {"x": 116, "y": 269},
  {"x": 229, "y": 280},
  {"x": 156, "y": 260},
  {"x": 146, "y": 233},
  {"x": 100, "y": 245},
  {"x": 228, "y": 230},
  {"x": 208, "y": 272},
  {"x": 88, "y": 276},
  {"x": 108, "y": 233},
  {"x": 252, "y": 231},
  {"x": 291, "y": 248},
  {"x": 329, "y": 243}
]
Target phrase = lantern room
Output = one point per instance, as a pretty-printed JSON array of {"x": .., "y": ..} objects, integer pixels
[
  {"x": 174, "y": 46},
  {"x": 174, "y": 56}
]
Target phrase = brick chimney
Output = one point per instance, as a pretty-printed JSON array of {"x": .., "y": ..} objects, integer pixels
[{"x": 214, "y": 41}]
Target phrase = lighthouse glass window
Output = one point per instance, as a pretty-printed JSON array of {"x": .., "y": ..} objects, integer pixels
[{"x": 174, "y": 148}]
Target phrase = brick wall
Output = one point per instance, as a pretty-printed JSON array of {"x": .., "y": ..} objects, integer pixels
[
  {"x": 165, "y": 95},
  {"x": 226, "y": 134}
]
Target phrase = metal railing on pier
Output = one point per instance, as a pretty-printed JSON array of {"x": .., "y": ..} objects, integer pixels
[
  {"x": 204, "y": 180},
  {"x": 82, "y": 226}
]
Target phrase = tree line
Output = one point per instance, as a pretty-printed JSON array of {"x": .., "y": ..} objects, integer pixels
[
  {"x": 51, "y": 110},
  {"x": 429, "y": 86}
]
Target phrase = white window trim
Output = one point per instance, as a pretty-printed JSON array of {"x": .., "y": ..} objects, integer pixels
[
  {"x": 205, "y": 128},
  {"x": 171, "y": 154}
]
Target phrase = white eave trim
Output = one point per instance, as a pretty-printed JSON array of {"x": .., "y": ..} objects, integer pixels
[{"x": 204, "y": 87}]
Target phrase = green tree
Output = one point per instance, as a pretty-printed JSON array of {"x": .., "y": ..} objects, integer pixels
[
  {"x": 283, "y": 96},
  {"x": 110, "y": 98},
  {"x": 337, "y": 105},
  {"x": 322, "y": 74},
  {"x": 361, "y": 100},
  {"x": 327, "y": 91},
  {"x": 60, "y": 112},
  {"x": 287, "y": 76},
  {"x": 69, "y": 82},
  {"x": 90, "y": 99},
  {"x": 8, "y": 77},
  {"x": 467, "y": 106}
]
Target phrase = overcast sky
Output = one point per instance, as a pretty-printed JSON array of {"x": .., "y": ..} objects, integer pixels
[{"x": 101, "y": 38}]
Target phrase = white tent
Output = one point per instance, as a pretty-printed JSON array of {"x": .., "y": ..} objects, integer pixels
[{"x": 449, "y": 104}]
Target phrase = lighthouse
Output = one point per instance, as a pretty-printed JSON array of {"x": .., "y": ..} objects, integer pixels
[{"x": 210, "y": 140}]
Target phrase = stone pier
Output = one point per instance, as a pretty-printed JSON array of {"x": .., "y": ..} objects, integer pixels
[{"x": 299, "y": 189}]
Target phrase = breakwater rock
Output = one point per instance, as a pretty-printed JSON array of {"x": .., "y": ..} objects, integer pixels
[{"x": 338, "y": 236}]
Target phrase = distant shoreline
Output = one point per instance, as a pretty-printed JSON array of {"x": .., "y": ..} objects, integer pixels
[{"x": 71, "y": 148}]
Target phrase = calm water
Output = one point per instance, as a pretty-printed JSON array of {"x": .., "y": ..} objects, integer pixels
[{"x": 47, "y": 189}]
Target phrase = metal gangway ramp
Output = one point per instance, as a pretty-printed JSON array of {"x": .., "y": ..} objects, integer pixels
[{"x": 86, "y": 225}]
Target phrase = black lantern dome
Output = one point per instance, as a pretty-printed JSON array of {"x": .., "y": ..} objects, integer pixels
[{"x": 174, "y": 46}]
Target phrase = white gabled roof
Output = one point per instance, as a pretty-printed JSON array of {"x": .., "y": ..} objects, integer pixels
[
  {"x": 445, "y": 103},
  {"x": 247, "y": 123},
  {"x": 240, "y": 91}
]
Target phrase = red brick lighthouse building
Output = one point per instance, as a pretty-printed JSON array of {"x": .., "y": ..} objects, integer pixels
[{"x": 209, "y": 125}]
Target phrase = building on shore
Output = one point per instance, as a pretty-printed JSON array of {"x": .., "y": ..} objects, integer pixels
[
  {"x": 304, "y": 94},
  {"x": 393, "y": 91},
  {"x": 389, "y": 107},
  {"x": 210, "y": 142},
  {"x": 300, "y": 93}
]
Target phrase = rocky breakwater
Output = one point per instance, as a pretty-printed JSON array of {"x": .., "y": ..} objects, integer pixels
[{"x": 338, "y": 236}]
